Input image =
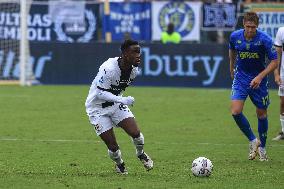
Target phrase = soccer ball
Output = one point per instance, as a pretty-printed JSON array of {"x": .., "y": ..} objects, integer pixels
[{"x": 202, "y": 167}]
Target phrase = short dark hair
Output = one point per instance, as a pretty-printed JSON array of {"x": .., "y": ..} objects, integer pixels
[
  {"x": 252, "y": 17},
  {"x": 127, "y": 43}
]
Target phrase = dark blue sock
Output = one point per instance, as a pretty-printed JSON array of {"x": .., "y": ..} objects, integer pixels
[
  {"x": 244, "y": 125},
  {"x": 262, "y": 130}
]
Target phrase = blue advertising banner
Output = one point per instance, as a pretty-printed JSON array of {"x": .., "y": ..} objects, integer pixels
[
  {"x": 219, "y": 16},
  {"x": 184, "y": 65},
  {"x": 128, "y": 20}
]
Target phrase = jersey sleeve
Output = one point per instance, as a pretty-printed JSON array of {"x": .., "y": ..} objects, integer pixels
[
  {"x": 278, "y": 42},
  {"x": 270, "y": 49}
]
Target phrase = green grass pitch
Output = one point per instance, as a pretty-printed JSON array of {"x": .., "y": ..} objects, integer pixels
[{"x": 46, "y": 141}]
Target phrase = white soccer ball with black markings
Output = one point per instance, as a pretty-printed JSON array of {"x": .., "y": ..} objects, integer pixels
[{"x": 202, "y": 167}]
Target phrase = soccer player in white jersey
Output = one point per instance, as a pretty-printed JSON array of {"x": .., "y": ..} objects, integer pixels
[
  {"x": 279, "y": 78},
  {"x": 107, "y": 108}
]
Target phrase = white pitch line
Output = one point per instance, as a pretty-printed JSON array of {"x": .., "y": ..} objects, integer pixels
[
  {"x": 13, "y": 96},
  {"x": 48, "y": 140},
  {"x": 94, "y": 141}
]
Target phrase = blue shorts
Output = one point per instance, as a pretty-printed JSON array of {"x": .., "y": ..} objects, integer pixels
[{"x": 259, "y": 96}]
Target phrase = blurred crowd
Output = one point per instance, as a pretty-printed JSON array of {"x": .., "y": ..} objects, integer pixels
[{"x": 209, "y": 1}]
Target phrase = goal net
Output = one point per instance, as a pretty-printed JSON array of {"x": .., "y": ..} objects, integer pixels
[{"x": 14, "y": 44}]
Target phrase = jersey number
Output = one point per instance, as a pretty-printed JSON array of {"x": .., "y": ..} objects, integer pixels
[{"x": 265, "y": 100}]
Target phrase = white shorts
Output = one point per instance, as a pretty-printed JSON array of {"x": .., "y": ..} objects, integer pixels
[
  {"x": 281, "y": 88},
  {"x": 103, "y": 119}
]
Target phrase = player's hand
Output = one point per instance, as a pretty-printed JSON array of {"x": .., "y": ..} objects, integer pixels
[
  {"x": 129, "y": 100},
  {"x": 277, "y": 79},
  {"x": 254, "y": 84}
]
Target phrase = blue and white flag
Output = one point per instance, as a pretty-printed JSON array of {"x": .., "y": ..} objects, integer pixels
[
  {"x": 44, "y": 27},
  {"x": 128, "y": 20},
  {"x": 218, "y": 16}
]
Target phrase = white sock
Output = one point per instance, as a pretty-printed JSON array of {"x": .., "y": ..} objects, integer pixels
[
  {"x": 254, "y": 140},
  {"x": 115, "y": 156},
  {"x": 282, "y": 122},
  {"x": 139, "y": 144}
]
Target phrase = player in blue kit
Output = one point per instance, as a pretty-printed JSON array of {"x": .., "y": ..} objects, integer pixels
[{"x": 248, "y": 50}]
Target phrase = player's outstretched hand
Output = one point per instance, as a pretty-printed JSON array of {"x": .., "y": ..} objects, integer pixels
[{"x": 129, "y": 100}]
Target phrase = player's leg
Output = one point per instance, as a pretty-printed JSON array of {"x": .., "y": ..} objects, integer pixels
[
  {"x": 104, "y": 128},
  {"x": 124, "y": 118},
  {"x": 280, "y": 136},
  {"x": 260, "y": 98},
  {"x": 262, "y": 131},
  {"x": 238, "y": 97},
  {"x": 240, "y": 119},
  {"x": 113, "y": 150},
  {"x": 262, "y": 125},
  {"x": 130, "y": 127},
  {"x": 243, "y": 124},
  {"x": 282, "y": 115}
]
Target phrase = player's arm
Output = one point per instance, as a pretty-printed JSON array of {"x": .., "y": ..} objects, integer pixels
[
  {"x": 270, "y": 68},
  {"x": 104, "y": 86},
  {"x": 272, "y": 56},
  {"x": 232, "y": 57},
  {"x": 278, "y": 45},
  {"x": 276, "y": 71},
  {"x": 108, "y": 96}
]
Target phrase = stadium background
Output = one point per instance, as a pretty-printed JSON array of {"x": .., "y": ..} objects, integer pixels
[
  {"x": 46, "y": 140},
  {"x": 66, "y": 52}
]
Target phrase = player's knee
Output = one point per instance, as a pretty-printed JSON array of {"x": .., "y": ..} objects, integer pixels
[
  {"x": 236, "y": 107},
  {"x": 236, "y": 111},
  {"x": 261, "y": 114},
  {"x": 282, "y": 105}
]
